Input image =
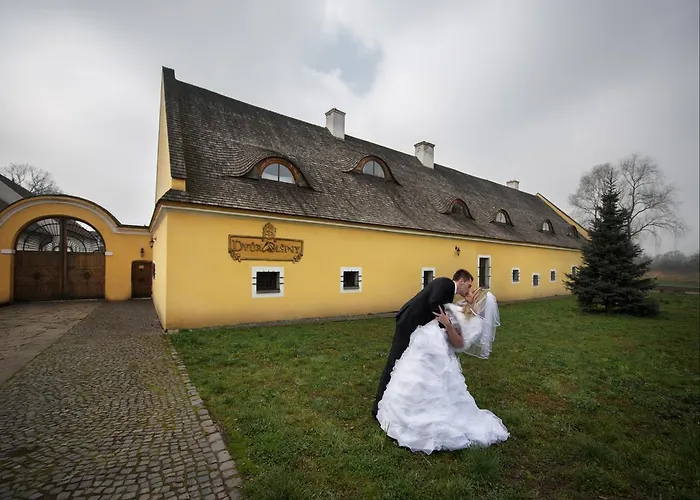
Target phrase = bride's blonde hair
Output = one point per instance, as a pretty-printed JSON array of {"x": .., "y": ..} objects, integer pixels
[{"x": 478, "y": 294}]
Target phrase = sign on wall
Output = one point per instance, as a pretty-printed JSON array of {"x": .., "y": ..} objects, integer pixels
[{"x": 268, "y": 247}]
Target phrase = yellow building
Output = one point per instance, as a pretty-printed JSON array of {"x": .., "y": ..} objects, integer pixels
[{"x": 262, "y": 217}]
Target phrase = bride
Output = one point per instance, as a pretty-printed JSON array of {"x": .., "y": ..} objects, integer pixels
[{"x": 426, "y": 406}]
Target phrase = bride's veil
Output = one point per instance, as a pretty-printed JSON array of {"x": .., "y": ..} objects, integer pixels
[{"x": 487, "y": 310}]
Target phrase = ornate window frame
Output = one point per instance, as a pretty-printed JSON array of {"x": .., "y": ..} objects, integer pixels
[
  {"x": 359, "y": 169},
  {"x": 297, "y": 175}
]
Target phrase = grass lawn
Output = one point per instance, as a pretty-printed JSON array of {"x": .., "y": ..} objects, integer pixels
[{"x": 597, "y": 407}]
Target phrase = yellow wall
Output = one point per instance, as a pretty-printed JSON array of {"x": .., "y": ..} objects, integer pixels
[
  {"x": 160, "y": 256},
  {"x": 124, "y": 243},
  {"x": 206, "y": 287}
]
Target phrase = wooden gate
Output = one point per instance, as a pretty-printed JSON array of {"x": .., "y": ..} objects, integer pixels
[
  {"x": 38, "y": 276},
  {"x": 58, "y": 259},
  {"x": 85, "y": 275},
  {"x": 141, "y": 278}
]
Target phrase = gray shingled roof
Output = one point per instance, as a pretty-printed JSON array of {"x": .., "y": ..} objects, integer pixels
[
  {"x": 216, "y": 141},
  {"x": 23, "y": 192}
]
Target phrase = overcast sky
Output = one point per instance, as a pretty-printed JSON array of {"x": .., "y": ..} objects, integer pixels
[{"x": 534, "y": 90}]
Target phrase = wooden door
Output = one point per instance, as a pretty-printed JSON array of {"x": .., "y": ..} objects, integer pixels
[
  {"x": 85, "y": 275},
  {"x": 141, "y": 278},
  {"x": 38, "y": 276}
]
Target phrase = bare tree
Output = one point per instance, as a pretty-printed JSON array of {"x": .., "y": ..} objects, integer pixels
[
  {"x": 33, "y": 179},
  {"x": 650, "y": 202},
  {"x": 588, "y": 196}
]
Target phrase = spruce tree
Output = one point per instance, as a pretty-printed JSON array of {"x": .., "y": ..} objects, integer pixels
[{"x": 612, "y": 277}]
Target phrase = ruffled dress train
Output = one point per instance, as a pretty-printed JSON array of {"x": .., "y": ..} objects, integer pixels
[{"x": 426, "y": 405}]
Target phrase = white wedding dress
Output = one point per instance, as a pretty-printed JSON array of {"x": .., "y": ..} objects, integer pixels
[{"x": 426, "y": 405}]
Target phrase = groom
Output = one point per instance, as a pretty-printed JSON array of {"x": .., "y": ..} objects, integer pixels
[{"x": 418, "y": 311}]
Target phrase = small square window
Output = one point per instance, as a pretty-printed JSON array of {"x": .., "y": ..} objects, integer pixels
[
  {"x": 535, "y": 280},
  {"x": 553, "y": 275},
  {"x": 573, "y": 271},
  {"x": 515, "y": 275},
  {"x": 268, "y": 282},
  {"x": 428, "y": 275},
  {"x": 350, "y": 279}
]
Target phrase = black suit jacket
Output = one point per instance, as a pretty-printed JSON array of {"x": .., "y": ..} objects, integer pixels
[{"x": 419, "y": 310}]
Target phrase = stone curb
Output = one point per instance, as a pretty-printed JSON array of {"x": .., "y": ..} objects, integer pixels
[{"x": 227, "y": 466}]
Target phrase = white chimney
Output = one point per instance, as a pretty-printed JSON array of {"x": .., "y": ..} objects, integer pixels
[
  {"x": 335, "y": 123},
  {"x": 425, "y": 152},
  {"x": 513, "y": 184}
]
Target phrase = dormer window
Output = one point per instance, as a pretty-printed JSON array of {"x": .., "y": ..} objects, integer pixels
[
  {"x": 373, "y": 168},
  {"x": 573, "y": 232},
  {"x": 460, "y": 209},
  {"x": 277, "y": 172},
  {"x": 547, "y": 227},
  {"x": 278, "y": 169},
  {"x": 502, "y": 217}
]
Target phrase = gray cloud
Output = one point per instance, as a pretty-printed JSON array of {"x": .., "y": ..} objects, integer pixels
[
  {"x": 539, "y": 90},
  {"x": 355, "y": 62}
]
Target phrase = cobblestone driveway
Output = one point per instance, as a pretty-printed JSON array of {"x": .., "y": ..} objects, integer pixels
[
  {"x": 107, "y": 412},
  {"x": 27, "y": 329}
]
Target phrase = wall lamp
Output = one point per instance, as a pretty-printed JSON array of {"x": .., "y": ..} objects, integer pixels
[
  {"x": 152, "y": 242},
  {"x": 142, "y": 252},
  {"x": 457, "y": 250}
]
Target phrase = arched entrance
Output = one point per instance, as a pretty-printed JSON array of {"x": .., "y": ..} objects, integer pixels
[{"x": 59, "y": 258}]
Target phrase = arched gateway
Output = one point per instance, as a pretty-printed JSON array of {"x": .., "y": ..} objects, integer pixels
[
  {"x": 60, "y": 247},
  {"x": 59, "y": 258}
]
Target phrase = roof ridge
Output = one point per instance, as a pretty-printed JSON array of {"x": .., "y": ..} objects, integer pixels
[{"x": 218, "y": 94}]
